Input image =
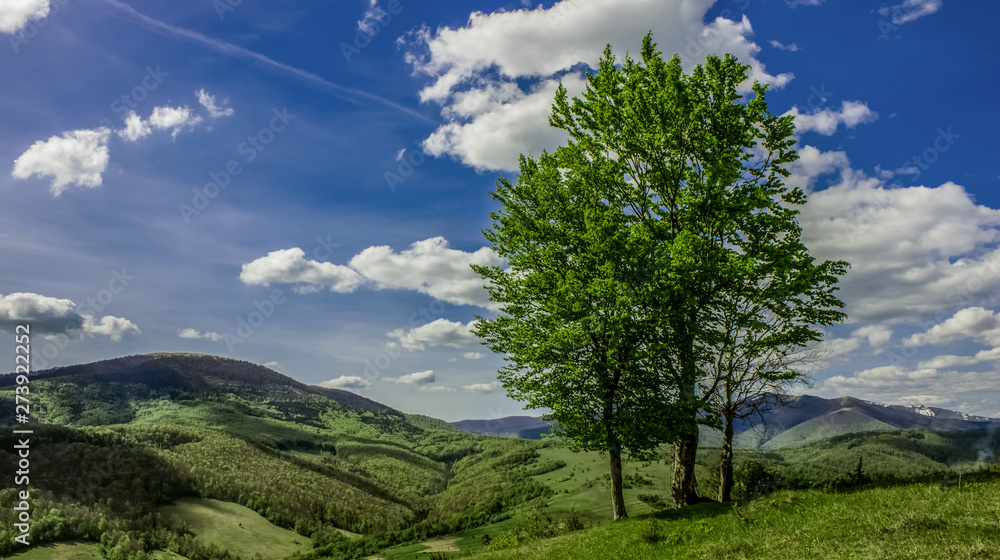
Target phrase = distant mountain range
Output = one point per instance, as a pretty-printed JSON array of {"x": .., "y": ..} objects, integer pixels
[
  {"x": 805, "y": 419},
  {"x": 526, "y": 427}
]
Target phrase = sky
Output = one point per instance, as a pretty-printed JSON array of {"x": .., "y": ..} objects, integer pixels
[{"x": 303, "y": 184}]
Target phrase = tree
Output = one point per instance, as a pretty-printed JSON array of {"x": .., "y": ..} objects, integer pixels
[
  {"x": 704, "y": 168},
  {"x": 624, "y": 244},
  {"x": 761, "y": 355},
  {"x": 570, "y": 330}
]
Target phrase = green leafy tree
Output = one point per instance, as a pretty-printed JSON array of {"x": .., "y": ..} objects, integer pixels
[
  {"x": 570, "y": 329},
  {"x": 703, "y": 167}
]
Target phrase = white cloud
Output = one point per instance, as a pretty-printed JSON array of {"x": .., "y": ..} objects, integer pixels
[
  {"x": 472, "y": 355},
  {"x": 914, "y": 251},
  {"x": 440, "y": 332},
  {"x": 877, "y": 335},
  {"x": 429, "y": 267},
  {"x": 475, "y": 69},
  {"x": 910, "y": 10},
  {"x": 135, "y": 128},
  {"x": 272, "y": 364},
  {"x": 78, "y": 157},
  {"x": 973, "y": 392},
  {"x": 15, "y": 14},
  {"x": 794, "y": 3},
  {"x": 972, "y": 322},
  {"x": 109, "y": 326},
  {"x": 949, "y": 361},
  {"x": 208, "y": 102},
  {"x": 417, "y": 378},
  {"x": 779, "y": 45},
  {"x": 174, "y": 118},
  {"x": 372, "y": 20},
  {"x": 838, "y": 347},
  {"x": 190, "y": 333},
  {"x": 346, "y": 382},
  {"x": 55, "y": 316},
  {"x": 482, "y": 387},
  {"x": 291, "y": 266},
  {"x": 825, "y": 121}
]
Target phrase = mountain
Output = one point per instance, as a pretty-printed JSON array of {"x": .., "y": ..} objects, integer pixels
[
  {"x": 130, "y": 436},
  {"x": 804, "y": 419},
  {"x": 527, "y": 427},
  {"x": 807, "y": 418}
]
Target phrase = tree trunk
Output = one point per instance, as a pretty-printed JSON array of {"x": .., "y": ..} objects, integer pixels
[
  {"x": 726, "y": 467},
  {"x": 617, "y": 496},
  {"x": 684, "y": 487}
]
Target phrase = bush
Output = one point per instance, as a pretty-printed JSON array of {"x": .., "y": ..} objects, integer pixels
[
  {"x": 652, "y": 531},
  {"x": 654, "y": 501},
  {"x": 754, "y": 478}
]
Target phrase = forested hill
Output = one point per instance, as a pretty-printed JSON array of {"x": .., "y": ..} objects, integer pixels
[
  {"x": 193, "y": 373},
  {"x": 133, "y": 435}
]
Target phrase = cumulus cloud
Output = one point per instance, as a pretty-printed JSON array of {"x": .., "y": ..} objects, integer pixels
[
  {"x": 109, "y": 326},
  {"x": 15, "y": 14},
  {"x": 208, "y": 102},
  {"x": 290, "y": 266},
  {"x": 914, "y": 251},
  {"x": 950, "y": 360},
  {"x": 135, "y": 128},
  {"x": 482, "y": 387},
  {"x": 272, "y": 364},
  {"x": 346, "y": 382},
  {"x": 440, "y": 332},
  {"x": 193, "y": 334},
  {"x": 825, "y": 121},
  {"x": 55, "y": 316},
  {"x": 472, "y": 355},
  {"x": 418, "y": 378},
  {"x": 877, "y": 335},
  {"x": 972, "y": 322},
  {"x": 429, "y": 267},
  {"x": 498, "y": 72},
  {"x": 175, "y": 119},
  {"x": 779, "y": 45},
  {"x": 77, "y": 158},
  {"x": 909, "y": 10}
]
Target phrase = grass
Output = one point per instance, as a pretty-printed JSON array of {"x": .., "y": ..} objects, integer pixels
[
  {"x": 60, "y": 551},
  {"x": 237, "y": 529},
  {"x": 920, "y": 521}
]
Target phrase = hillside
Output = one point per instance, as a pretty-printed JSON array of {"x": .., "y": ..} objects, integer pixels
[
  {"x": 917, "y": 522},
  {"x": 128, "y": 437}
]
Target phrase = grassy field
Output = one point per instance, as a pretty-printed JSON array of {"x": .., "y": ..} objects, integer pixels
[
  {"x": 920, "y": 521},
  {"x": 237, "y": 529},
  {"x": 61, "y": 551}
]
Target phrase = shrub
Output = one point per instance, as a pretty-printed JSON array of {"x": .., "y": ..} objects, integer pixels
[
  {"x": 652, "y": 531},
  {"x": 754, "y": 478}
]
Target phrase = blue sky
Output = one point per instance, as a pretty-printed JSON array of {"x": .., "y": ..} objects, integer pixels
[{"x": 304, "y": 185}]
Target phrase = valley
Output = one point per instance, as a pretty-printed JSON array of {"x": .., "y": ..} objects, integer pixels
[{"x": 200, "y": 457}]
